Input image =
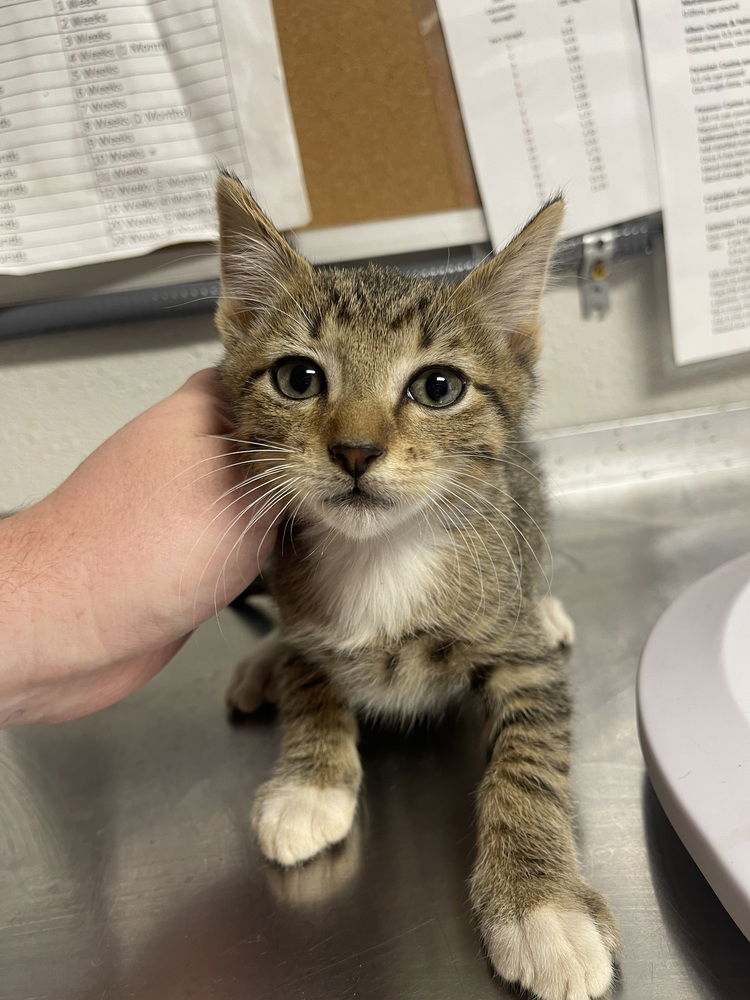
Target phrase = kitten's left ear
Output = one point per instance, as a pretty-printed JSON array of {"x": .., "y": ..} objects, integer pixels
[
  {"x": 508, "y": 287},
  {"x": 255, "y": 259}
]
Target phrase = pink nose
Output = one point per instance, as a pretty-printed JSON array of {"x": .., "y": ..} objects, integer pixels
[{"x": 354, "y": 458}]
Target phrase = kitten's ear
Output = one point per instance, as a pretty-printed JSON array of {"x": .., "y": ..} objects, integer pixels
[
  {"x": 508, "y": 287},
  {"x": 255, "y": 259}
]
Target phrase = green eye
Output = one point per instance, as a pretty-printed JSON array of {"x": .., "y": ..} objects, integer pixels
[
  {"x": 437, "y": 387},
  {"x": 299, "y": 378}
]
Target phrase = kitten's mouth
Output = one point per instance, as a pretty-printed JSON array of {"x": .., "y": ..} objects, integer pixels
[{"x": 358, "y": 499}]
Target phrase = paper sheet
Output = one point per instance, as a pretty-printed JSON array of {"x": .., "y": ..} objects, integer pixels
[
  {"x": 698, "y": 61},
  {"x": 114, "y": 115},
  {"x": 553, "y": 98}
]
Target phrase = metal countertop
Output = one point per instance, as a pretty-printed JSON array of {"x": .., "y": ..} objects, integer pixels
[{"x": 129, "y": 870}]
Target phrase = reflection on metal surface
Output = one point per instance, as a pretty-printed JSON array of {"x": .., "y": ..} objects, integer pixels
[
  {"x": 643, "y": 449},
  {"x": 129, "y": 869},
  {"x": 322, "y": 878}
]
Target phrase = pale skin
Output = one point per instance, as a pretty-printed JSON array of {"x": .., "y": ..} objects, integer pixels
[{"x": 104, "y": 580}]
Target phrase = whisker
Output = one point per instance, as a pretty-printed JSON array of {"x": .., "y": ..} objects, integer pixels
[
  {"x": 238, "y": 543},
  {"x": 236, "y": 548},
  {"x": 189, "y": 302},
  {"x": 202, "y": 534},
  {"x": 209, "y": 458},
  {"x": 268, "y": 502},
  {"x": 232, "y": 465},
  {"x": 265, "y": 534},
  {"x": 270, "y": 445},
  {"x": 492, "y": 458},
  {"x": 297, "y": 509},
  {"x": 518, "y": 588},
  {"x": 246, "y": 482},
  {"x": 189, "y": 256},
  {"x": 322, "y": 541},
  {"x": 449, "y": 521},
  {"x": 441, "y": 516},
  {"x": 530, "y": 547},
  {"x": 484, "y": 545},
  {"x": 263, "y": 304},
  {"x": 492, "y": 526},
  {"x": 455, "y": 519}
]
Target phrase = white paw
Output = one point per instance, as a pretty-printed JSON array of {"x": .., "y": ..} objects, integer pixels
[
  {"x": 557, "y": 625},
  {"x": 294, "y": 822},
  {"x": 556, "y": 954}
]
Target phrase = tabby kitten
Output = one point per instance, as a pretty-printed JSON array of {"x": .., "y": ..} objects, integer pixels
[{"x": 383, "y": 415}]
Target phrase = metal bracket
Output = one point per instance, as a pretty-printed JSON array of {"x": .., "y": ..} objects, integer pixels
[{"x": 598, "y": 251}]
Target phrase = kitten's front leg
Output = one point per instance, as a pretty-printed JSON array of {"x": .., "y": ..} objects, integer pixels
[
  {"x": 253, "y": 682},
  {"x": 542, "y": 925},
  {"x": 310, "y": 802}
]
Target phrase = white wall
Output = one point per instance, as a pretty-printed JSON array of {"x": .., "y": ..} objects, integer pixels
[
  {"x": 60, "y": 395},
  {"x": 622, "y": 367}
]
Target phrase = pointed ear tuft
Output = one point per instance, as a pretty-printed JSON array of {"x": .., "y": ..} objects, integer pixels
[
  {"x": 508, "y": 287},
  {"x": 256, "y": 262}
]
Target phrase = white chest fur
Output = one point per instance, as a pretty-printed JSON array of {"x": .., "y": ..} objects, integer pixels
[{"x": 376, "y": 588}]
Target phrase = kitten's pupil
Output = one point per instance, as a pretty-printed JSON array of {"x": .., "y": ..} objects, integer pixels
[
  {"x": 300, "y": 378},
  {"x": 437, "y": 386}
]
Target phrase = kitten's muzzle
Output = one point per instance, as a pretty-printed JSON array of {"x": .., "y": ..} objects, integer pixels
[
  {"x": 358, "y": 499},
  {"x": 355, "y": 458}
]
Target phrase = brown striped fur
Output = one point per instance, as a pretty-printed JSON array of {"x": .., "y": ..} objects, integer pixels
[{"x": 431, "y": 589}]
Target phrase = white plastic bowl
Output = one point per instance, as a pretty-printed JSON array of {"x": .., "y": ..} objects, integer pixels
[{"x": 693, "y": 698}]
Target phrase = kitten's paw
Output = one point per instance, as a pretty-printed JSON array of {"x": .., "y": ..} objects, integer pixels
[
  {"x": 556, "y": 953},
  {"x": 557, "y": 625},
  {"x": 253, "y": 683},
  {"x": 294, "y": 822}
]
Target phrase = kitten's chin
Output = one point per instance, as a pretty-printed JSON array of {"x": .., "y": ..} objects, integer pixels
[{"x": 360, "y": 520}]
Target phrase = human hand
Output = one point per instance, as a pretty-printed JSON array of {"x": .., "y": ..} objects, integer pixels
[{"x": 104, "y": 580}]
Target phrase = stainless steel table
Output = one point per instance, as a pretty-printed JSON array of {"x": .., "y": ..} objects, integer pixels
[{"x": 129, "y": 871}]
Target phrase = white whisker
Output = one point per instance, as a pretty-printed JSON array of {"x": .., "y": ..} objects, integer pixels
[
  {"x": 247, "y": 482},
  {"x": 268, "y": 502},
  {"x": 239, "y": 484},
  {"x": 491, "y": 458},
  {"x": 270, "y": 445},
  {"x": 494, "y": 507},
  {"x": 202, "y": 534},
  {"x": 456, "y": 519},
  {"x": 238, "y": 544},
  {"x": 518, "y": 588},
  {"x": 209, "y": 458}
]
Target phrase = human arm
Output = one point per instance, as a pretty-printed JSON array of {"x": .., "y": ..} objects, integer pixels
[{"x": 103, "y": 580}]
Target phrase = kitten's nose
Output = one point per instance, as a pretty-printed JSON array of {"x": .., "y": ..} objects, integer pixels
[{"x": 354, "y": 458}]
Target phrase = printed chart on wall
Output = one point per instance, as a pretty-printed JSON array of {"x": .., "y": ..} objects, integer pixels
[
  {"x": 698, "y": 62},
  {"x": 114, "y": 115},
  {"x": 553, "y": 97}
]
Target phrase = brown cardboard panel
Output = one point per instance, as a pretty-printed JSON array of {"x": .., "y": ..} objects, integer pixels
[
  {"x": 374, "y": 109},
  {"x": 446, "y": 100}
]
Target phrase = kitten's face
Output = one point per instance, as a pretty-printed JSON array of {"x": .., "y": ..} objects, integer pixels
[{"x": 373, "y": 390}]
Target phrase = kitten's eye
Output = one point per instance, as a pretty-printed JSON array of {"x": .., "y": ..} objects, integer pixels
[
  {"x": 299, "y": 378},
  {"x": 437, "y": 387}
]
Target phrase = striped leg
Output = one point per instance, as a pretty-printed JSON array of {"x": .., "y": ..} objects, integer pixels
[
  {"x": 542, "y": 925},
  {"x": 309, "y": 803}
]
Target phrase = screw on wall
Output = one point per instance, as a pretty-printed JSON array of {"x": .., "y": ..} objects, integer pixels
[{"x": 593, "y": 277}]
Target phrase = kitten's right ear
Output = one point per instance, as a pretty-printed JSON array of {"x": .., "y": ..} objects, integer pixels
[
  {"x": 508, "y": 287},
  {"x": 256, "y": 262}
]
